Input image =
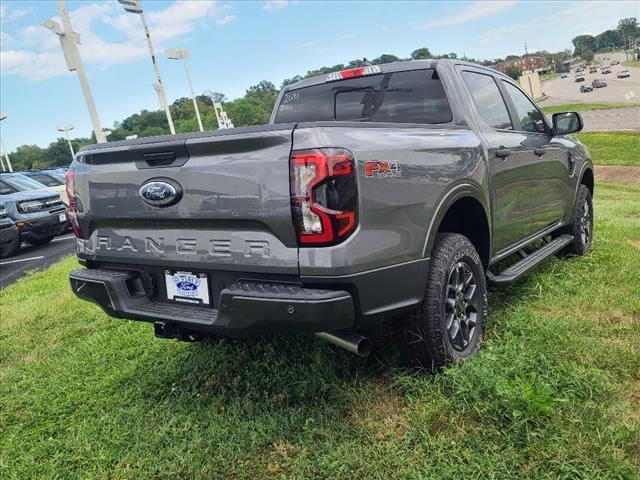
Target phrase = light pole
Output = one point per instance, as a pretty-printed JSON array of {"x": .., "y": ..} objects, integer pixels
[
  {"x": 69, "y": 41},
  {"x": 4, "y": 150},
  {"x": 66, "y": 128},
  {"x": 221, "y": 115},
  {"x": 183, "y": 53},
  {"x": 135, "y": 6}
]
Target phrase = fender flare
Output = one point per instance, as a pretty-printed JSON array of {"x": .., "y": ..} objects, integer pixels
[{"x": 452, "y": 195}]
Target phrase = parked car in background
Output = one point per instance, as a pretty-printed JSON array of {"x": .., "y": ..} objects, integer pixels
[
  {"x": 20, "y": 182},
  {"x": 615, "y": 62},
  {"x": 624, "y": 73},
  {"x": 563, "y": 75},
  {"x": 593, "y": 69},
  {"x": 604, "y": 70},
  {"x": 38, "y": 215},
  {"x": 579, "y": 77},
  {"x": 598, "y": 83},
  {"x": 9, "y": 235},
  {"x": 49, "y": 178},
  {"x": 586, "y": 87}
]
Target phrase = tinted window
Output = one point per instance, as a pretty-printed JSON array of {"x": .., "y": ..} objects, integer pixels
[
  {"x": 47, "y": 180},
  {"x": 5, "y": 188},
  {"x": 404, "y": 97},
  {"x": 487, "y": 98},
  {"x": 530, "y": 117},
  {"x": 22, "y": 183}
]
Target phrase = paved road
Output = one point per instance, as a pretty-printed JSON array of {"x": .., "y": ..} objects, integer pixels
[
  {"x": 35, "y": 258},
  {"x": 618, "y": 90},
  {"x": 615, "y": 119}
]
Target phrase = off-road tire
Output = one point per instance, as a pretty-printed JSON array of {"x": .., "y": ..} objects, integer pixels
[
  {"x": 423, "y": 334},
  {"x": 10, "y": 249},
  {"x": 581, "y": 226}
]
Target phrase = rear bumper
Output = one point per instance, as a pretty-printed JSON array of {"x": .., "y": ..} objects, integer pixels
[{"x": 244, "y": 309}]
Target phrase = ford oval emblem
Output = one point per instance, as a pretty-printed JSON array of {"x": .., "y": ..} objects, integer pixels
[{"x": 158, "y": 193}]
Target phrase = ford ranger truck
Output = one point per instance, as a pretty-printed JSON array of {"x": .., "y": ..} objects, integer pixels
[{"x": 379, "y": 192}]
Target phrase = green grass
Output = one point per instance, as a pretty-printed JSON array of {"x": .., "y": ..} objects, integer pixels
[
  {"x": 554, "y": 393},
  {"x": 613, "y": 148},
  {"x": 548, "y": 76},
  {"x": 632, "y": 63},
  {"x": 581, "y": 107}
]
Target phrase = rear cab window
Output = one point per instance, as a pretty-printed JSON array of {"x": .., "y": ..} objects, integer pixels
[{"x": 415, "y": 96}]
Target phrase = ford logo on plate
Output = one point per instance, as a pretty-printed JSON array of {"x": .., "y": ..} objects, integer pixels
[{"x": 158, "y": 193}]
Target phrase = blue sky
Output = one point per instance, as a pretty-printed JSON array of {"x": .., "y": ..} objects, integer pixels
[{"x": 235, "y": 45}]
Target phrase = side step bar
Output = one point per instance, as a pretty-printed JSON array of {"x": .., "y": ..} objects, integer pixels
[{"x": 528, "y": 262}]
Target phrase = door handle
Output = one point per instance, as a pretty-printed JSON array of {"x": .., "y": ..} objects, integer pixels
[
  {"x": 539, "y": 151},
  {"x": 503, "y": 152}
]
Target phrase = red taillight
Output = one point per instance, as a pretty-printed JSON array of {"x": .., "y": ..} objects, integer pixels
[
  {"x": 70, "y": 185},
  {"x": 324, "y": 195},
  {"x": 353, "y": 73}
]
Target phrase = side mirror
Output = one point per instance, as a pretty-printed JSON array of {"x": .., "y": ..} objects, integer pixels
[{"x": 567, "y": 122}]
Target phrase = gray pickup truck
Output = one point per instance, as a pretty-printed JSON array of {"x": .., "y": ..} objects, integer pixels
[{"x": 380, "y": 192}]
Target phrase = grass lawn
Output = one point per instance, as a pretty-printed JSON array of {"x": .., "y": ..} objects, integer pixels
[
  {"x": 613, "y": 148},
  {"x": 548, "y": 76},
  {"x": 581, "y": 107},
  {"x": 632, "y": 63},
  {"x": 554, "y": 393}
]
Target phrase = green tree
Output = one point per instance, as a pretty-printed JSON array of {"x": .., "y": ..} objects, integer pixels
[
  {"x": 421, "y": 54},
  {"x": 587, "y": 55},
  {"x": 628, "y": 28},
  {"x": 513, "y": 72},
  {"x": 582, "y": 42},
  {"x": 385, "y": 58}
]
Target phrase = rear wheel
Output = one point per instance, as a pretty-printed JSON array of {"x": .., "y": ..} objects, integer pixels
[
  {"x": 10, "y": 248},
  {"x": 581, "y": 226},
  {"x": 449, "y": 324}
]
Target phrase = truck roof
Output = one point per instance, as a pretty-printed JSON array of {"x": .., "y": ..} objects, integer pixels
[{"x": 396, "y": 67}]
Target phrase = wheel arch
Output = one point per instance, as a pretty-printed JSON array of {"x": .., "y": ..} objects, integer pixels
[
  {"x": 587, "y": 179},
  {"x": 463, "y": 210}
]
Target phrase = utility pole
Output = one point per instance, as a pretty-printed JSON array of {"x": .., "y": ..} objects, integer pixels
[
  {"x": 66, "y": 128},
  {"x": 4, "y": 150},
  {"x": 135, "y": 6},
  {"x": 183, "y": 53},
  {"x": 69, "y": 41}
]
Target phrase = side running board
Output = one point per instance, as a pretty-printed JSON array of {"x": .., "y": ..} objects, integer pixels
[{"x": 528, "y": 262}]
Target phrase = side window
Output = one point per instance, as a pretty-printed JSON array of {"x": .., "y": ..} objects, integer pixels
[
  {"x": 488, "y": 99},
  {"x": 530, "y": 117},
  {"x": 5, "y": 188}
]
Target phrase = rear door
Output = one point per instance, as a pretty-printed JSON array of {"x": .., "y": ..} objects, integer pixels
[
  {"x": 550, "y": 166},
  {"x": 232, "y": 209},
  {"x": 510, "y": 155}
]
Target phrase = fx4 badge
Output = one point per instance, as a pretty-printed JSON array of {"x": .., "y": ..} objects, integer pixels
[{"x": 381, "y": 169}]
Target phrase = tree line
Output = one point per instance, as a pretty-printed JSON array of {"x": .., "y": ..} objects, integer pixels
[
  {"x": 624, "y": 36},
  {"x": 254, "y": 108}
]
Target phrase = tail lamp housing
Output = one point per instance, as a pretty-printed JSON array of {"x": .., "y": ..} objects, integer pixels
[
  {"x": 324, "y": 195},
  {"x": 70, "y": 186}
]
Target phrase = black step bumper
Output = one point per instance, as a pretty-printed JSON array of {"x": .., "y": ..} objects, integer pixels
[{"x": 246, "y": 308}]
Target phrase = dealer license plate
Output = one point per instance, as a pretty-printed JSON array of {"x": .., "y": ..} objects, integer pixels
[
  {"x": 62, "y": 218},
  {"x": 187, "y": 287}
]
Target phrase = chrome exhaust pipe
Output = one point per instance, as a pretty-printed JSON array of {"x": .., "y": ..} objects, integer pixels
[{"x": 352, "y": 342}]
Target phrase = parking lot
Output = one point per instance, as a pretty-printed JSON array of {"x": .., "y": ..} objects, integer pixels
[
  {"x": 35, "y": 258},
  {"x": 618, "y": 90}
]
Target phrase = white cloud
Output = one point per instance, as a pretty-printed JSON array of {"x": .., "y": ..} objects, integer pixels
[
  {"x": 474, "y": 11},
  {"x": 9, "y": 15},
  {"x": 40, "y": 56},
  {"x": 572, "y": 21},
  {"x": 272, "y": 5},
  {"x": 226, "y": 19}
]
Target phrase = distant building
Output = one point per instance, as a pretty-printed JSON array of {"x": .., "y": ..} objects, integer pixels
[{"x": 527, "y": 63}]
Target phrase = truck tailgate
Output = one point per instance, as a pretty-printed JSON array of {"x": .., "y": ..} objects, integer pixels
[{"x": 234, "y": 211}]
